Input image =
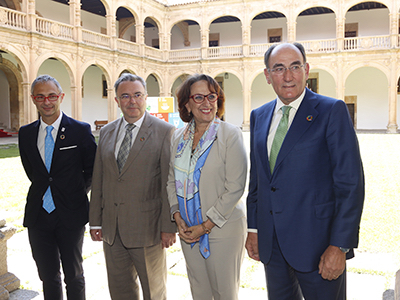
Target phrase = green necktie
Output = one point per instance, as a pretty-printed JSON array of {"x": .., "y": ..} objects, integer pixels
[{"x": 279, "y": 136}]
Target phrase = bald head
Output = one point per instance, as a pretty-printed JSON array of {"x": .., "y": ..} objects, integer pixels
[{"x": 274, "y": 47}]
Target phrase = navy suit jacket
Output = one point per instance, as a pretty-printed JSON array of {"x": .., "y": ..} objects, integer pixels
[
  {"x": 70, "y": 175},
  {"x": 314, "y": 198}
]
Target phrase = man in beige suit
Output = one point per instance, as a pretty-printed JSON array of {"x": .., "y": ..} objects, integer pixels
[{"x": 129, "y": 209}]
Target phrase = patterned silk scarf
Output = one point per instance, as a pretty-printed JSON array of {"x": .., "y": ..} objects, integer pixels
[{"x": 188, "y": 167}]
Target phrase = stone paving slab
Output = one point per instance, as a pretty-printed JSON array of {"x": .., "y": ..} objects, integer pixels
[{"x": 360, "y": 286}]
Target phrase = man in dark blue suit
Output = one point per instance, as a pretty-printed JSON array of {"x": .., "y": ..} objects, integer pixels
[
  {"x": 57, "y": 153},
  {"x": 306, "y": 193}
]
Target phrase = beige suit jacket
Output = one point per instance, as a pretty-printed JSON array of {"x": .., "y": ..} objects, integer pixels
[
  {"x": 222, "y": 181},
  {"x": 135, "y": 200}
]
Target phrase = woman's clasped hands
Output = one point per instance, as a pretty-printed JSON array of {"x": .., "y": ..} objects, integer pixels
[{"x": 189, "y": 234}]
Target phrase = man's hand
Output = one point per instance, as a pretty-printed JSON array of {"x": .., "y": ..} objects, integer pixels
[
  {"x": 167, "y": 239},
  {"x": 332, "y": 263},
  {"x": 252, "y": 246},
  {"x": 96, "y": 234}
]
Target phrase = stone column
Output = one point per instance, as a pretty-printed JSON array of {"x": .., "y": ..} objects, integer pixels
[
  {"x": 291, "y": 31},
  {"x": 246, "y": 100},
  {"x": 340, "y": 23},
  {"x": 392, "y": 124},
  {"x": 8, "y": 281},
  {"x": 75, "y": 19},
  {"x": 112, "y": 105},
  {"x": 394, "y": 29},
  {"x": 204, "y": 42},
  {"x": 246, "y": 40}
]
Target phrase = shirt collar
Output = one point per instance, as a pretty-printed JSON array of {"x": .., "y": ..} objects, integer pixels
[
  {"x": 56, "y": 123},
  {"x": 294, "y": 104},
  {"x": 138, "y": 123}
]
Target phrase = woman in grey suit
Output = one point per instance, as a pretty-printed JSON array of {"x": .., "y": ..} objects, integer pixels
[{"x": 206, "y": 181}]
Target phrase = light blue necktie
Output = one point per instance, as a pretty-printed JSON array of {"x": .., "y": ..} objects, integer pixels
[
  {"x": 48, "y": 203},
  {"x": 279, "y": 136}
]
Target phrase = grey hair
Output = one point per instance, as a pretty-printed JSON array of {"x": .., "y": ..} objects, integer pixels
[
  {"x": 43, "y": 79},
  {"x": 129, "y": 77}
]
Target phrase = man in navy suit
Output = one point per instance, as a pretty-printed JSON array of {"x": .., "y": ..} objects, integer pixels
[
  {"x": 305, "y": 199},
  {"x": 58, "y": 160}
]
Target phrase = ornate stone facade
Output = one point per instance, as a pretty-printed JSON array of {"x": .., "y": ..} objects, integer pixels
[{"x": 31, "y": 40}]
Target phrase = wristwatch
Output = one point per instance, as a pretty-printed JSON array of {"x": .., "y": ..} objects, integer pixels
[{"x": 344, "y": 250}]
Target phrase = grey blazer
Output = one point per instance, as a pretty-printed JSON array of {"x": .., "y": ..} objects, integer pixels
[
  {"x": 222, "y": 181},
  {"x": 135, "y": 200}
]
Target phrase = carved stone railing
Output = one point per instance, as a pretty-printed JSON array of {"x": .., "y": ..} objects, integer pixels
[
  {"x": 12, "y": 18},
  {"x": 127, "y": 46},
  {"x": 8, "y": 281},
  {"x": 185, "y": 54},
  {"x": 96, "y": 39},
  {"x": 53, "y": 28},
  {"x": 329, "y": 45},
  {"x": 258, "y": 49},
  {"x": 225, "y": 52},
  {"x": 366, "y": 43},
  {"x": 152, "y": 52}
]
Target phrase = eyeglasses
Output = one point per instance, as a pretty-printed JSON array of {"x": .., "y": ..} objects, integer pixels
[
  {"x": 126, "y": 97},
  {"x": 199, "y": 98},
  {"x": 296, "y": 69},
  {"x": 51, "y": 98}
]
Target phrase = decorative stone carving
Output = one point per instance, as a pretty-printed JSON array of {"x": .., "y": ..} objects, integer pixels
[
  {"x": 3, "y": 17},
  {"x": 8, "y": 281},
  {"x": 55, "y": 29},
  {"x": 366, "y": 43}
]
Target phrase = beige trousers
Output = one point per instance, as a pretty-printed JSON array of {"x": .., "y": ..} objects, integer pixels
[
  {"x": 124, "y": 265},
  {"x": 217, "y": 277}
]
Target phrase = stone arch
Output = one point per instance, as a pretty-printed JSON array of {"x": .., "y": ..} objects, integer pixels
[
  {"x": 308, "y": 6},
  {"x": 12, "y": 4},
  {"x": 347, "y": 5},
  {"x": 63, "y": 59},
  {"x": 126, "y": 22},
  {"x": 158, "y": 80},
  {"x": 16, "y": 102}
]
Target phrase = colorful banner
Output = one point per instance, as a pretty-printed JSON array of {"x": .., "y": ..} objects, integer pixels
[{"x": 163, "y": 108}]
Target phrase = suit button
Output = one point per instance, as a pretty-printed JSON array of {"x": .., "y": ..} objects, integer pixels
[
  {"x": 273, "y": 189},
  {"x": 115, "y": 204},
  {"x": 271, "y": 212},
  {"x": 51, "y": 179}
]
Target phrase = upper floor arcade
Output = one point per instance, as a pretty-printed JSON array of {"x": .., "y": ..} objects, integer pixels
[{"x": 196, "y": 31}]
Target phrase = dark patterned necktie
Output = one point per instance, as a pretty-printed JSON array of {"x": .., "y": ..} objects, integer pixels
[{"x": 125, "y": 148}]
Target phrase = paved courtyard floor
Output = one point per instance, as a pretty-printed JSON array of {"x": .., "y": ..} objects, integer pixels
[{"x": 360, "y": 286}]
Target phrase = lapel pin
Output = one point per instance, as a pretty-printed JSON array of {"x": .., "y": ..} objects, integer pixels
[
  {"x": 62, "y": 136},
  {"x": 63, "y": 129},
  {"x": 142, "y": 139},
  {"x": 309, "y": 118}
]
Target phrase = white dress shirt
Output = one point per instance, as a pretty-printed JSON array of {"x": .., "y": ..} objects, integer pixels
[
  {"x": 42, "y": 134},
  {"x": 278, "y": 116},
  {"x": 122, "y": 132}
]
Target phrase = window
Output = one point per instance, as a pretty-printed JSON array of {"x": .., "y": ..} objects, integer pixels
[
  {"x": 213, "y": 40},
  {"x": 274, "y": 39},
  {"x": 155, "y": 43},
  {"x": 104, "y": 85}
]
